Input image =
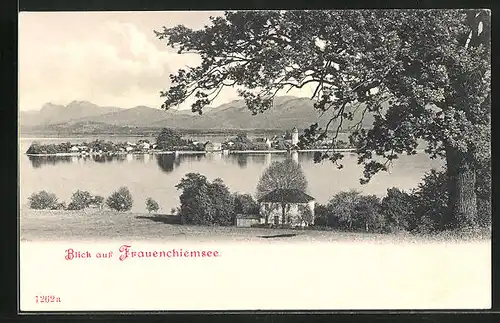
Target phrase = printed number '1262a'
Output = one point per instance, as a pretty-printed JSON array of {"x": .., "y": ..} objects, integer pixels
[{"x": 47, "y": 299}]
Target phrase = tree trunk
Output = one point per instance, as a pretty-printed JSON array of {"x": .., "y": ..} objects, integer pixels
[
  {"x": 283, "y": 212},
  {"x": 462, "y": 207}
]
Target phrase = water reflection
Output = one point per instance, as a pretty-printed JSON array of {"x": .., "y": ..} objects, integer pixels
[
  {"x": 258, "y": 159},
  {"x": 99, "y": 158},
  {"x": 144, "y": 158},
  {"x": 168, "y": 162},
  {"x": 39, "y": 161},
  {"x": 242, "y": 160}
]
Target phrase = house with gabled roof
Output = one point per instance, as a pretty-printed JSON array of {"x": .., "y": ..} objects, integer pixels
[
  {"x": 287, "y": 207},
  {"x": 212, "y": 146}
]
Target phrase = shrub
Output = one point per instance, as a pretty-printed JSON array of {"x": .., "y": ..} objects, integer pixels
[
  {"x": 398, "y": 210},
  {"x": 245, "y": 204},
  {"x": 59, "y": 206},
  {"x": 152, "y": 205},
  {"x": 80, "y": 200},
  {"x": 354, "y": 212},
  {"x": 367, "y": 214},
  {"x": 259, "y": 146},
  {"x": 341, "y": 210},
  {"x": 43, "y": 200},
  {"x": 430, "y": 202},
  {"x": 204, "y": 202},
  {"x": 320, "y": 215},
  {"x": 484, "y": 212},
  {"x": 97, "y": 201},
  {"x": 483, "y": 189},
  {"x": 120, "y": 200}
]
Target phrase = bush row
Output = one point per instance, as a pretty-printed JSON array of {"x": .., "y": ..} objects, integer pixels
[
  {"x": 419, "y": 211},
  {"x": 120, "y": 200}
]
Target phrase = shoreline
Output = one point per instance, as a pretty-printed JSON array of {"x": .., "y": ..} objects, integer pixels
[{"x": 191, "y": 152}]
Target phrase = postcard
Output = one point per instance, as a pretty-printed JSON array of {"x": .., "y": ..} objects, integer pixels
[{"x": 282, "y": 160}]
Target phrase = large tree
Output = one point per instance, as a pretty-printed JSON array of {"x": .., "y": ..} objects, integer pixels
[
  {"x": 169, "y": 139},
  {"x": 204, "y": 202},
  {"x": 423, "y": 75},
  {"x": 284, "y": 175}
]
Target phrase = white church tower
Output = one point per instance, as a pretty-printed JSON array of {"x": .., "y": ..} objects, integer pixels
[{"x": 295, "y": 136}]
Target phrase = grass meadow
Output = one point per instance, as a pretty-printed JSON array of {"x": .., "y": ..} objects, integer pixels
[{"x": 101, "y": 225}]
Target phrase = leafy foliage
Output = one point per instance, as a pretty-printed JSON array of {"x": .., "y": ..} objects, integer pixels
[
  {"x": 368, "y": 214},
  {"x": 120, "y": 200},
  {"x": 420, "y": 211},
  {"x": 80, "y": 200},
  {"x": 44, "y": 200},
  {"x": 37, "y": 148},
  {"x": 245, "y": 204},
  {"x": 168, "y": 139},
  {"x": 422, "y": 74},
  {"x": 431, "y": 199},
  {"x": 352, "y": 211},
  {"x": 204, "y": 202},
  {"x": 342, "y": 209},
  {"x": 305, "y": 214},
  {"x": 152, "y": 205},
  {"x": 398, "y": 209},
  {"x": 321, "y": 215},
  {"x": 97, "y": 200},
  {"x": 287, "y": 174}
]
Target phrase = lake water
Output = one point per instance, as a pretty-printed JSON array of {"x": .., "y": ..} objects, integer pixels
[{"x": 156, "y": 175}]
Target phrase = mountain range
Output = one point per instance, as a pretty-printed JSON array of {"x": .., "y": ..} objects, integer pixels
[{"x": 287, "y": 112}]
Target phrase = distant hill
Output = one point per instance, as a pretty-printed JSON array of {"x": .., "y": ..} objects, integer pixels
[
  {"x": 53, "y": 113},
  {"x": 286, "y": 113}
]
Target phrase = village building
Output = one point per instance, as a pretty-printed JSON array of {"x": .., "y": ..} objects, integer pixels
[
  {"x": 295, "y": 136},
  {"x": 247, "y": 220},
  {"x": 266, "y": 141},
  {"x": 212, "y": 146},
  {"x": 298, "y": 206}
]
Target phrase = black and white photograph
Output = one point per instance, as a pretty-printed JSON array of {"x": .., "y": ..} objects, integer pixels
[{"x": 276, "y": 160}]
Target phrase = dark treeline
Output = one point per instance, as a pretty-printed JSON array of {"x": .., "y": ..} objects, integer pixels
[{"x": 422, "y": 210}]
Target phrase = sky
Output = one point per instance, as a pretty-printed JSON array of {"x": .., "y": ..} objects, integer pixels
[{"x": 107, "y": 58}]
